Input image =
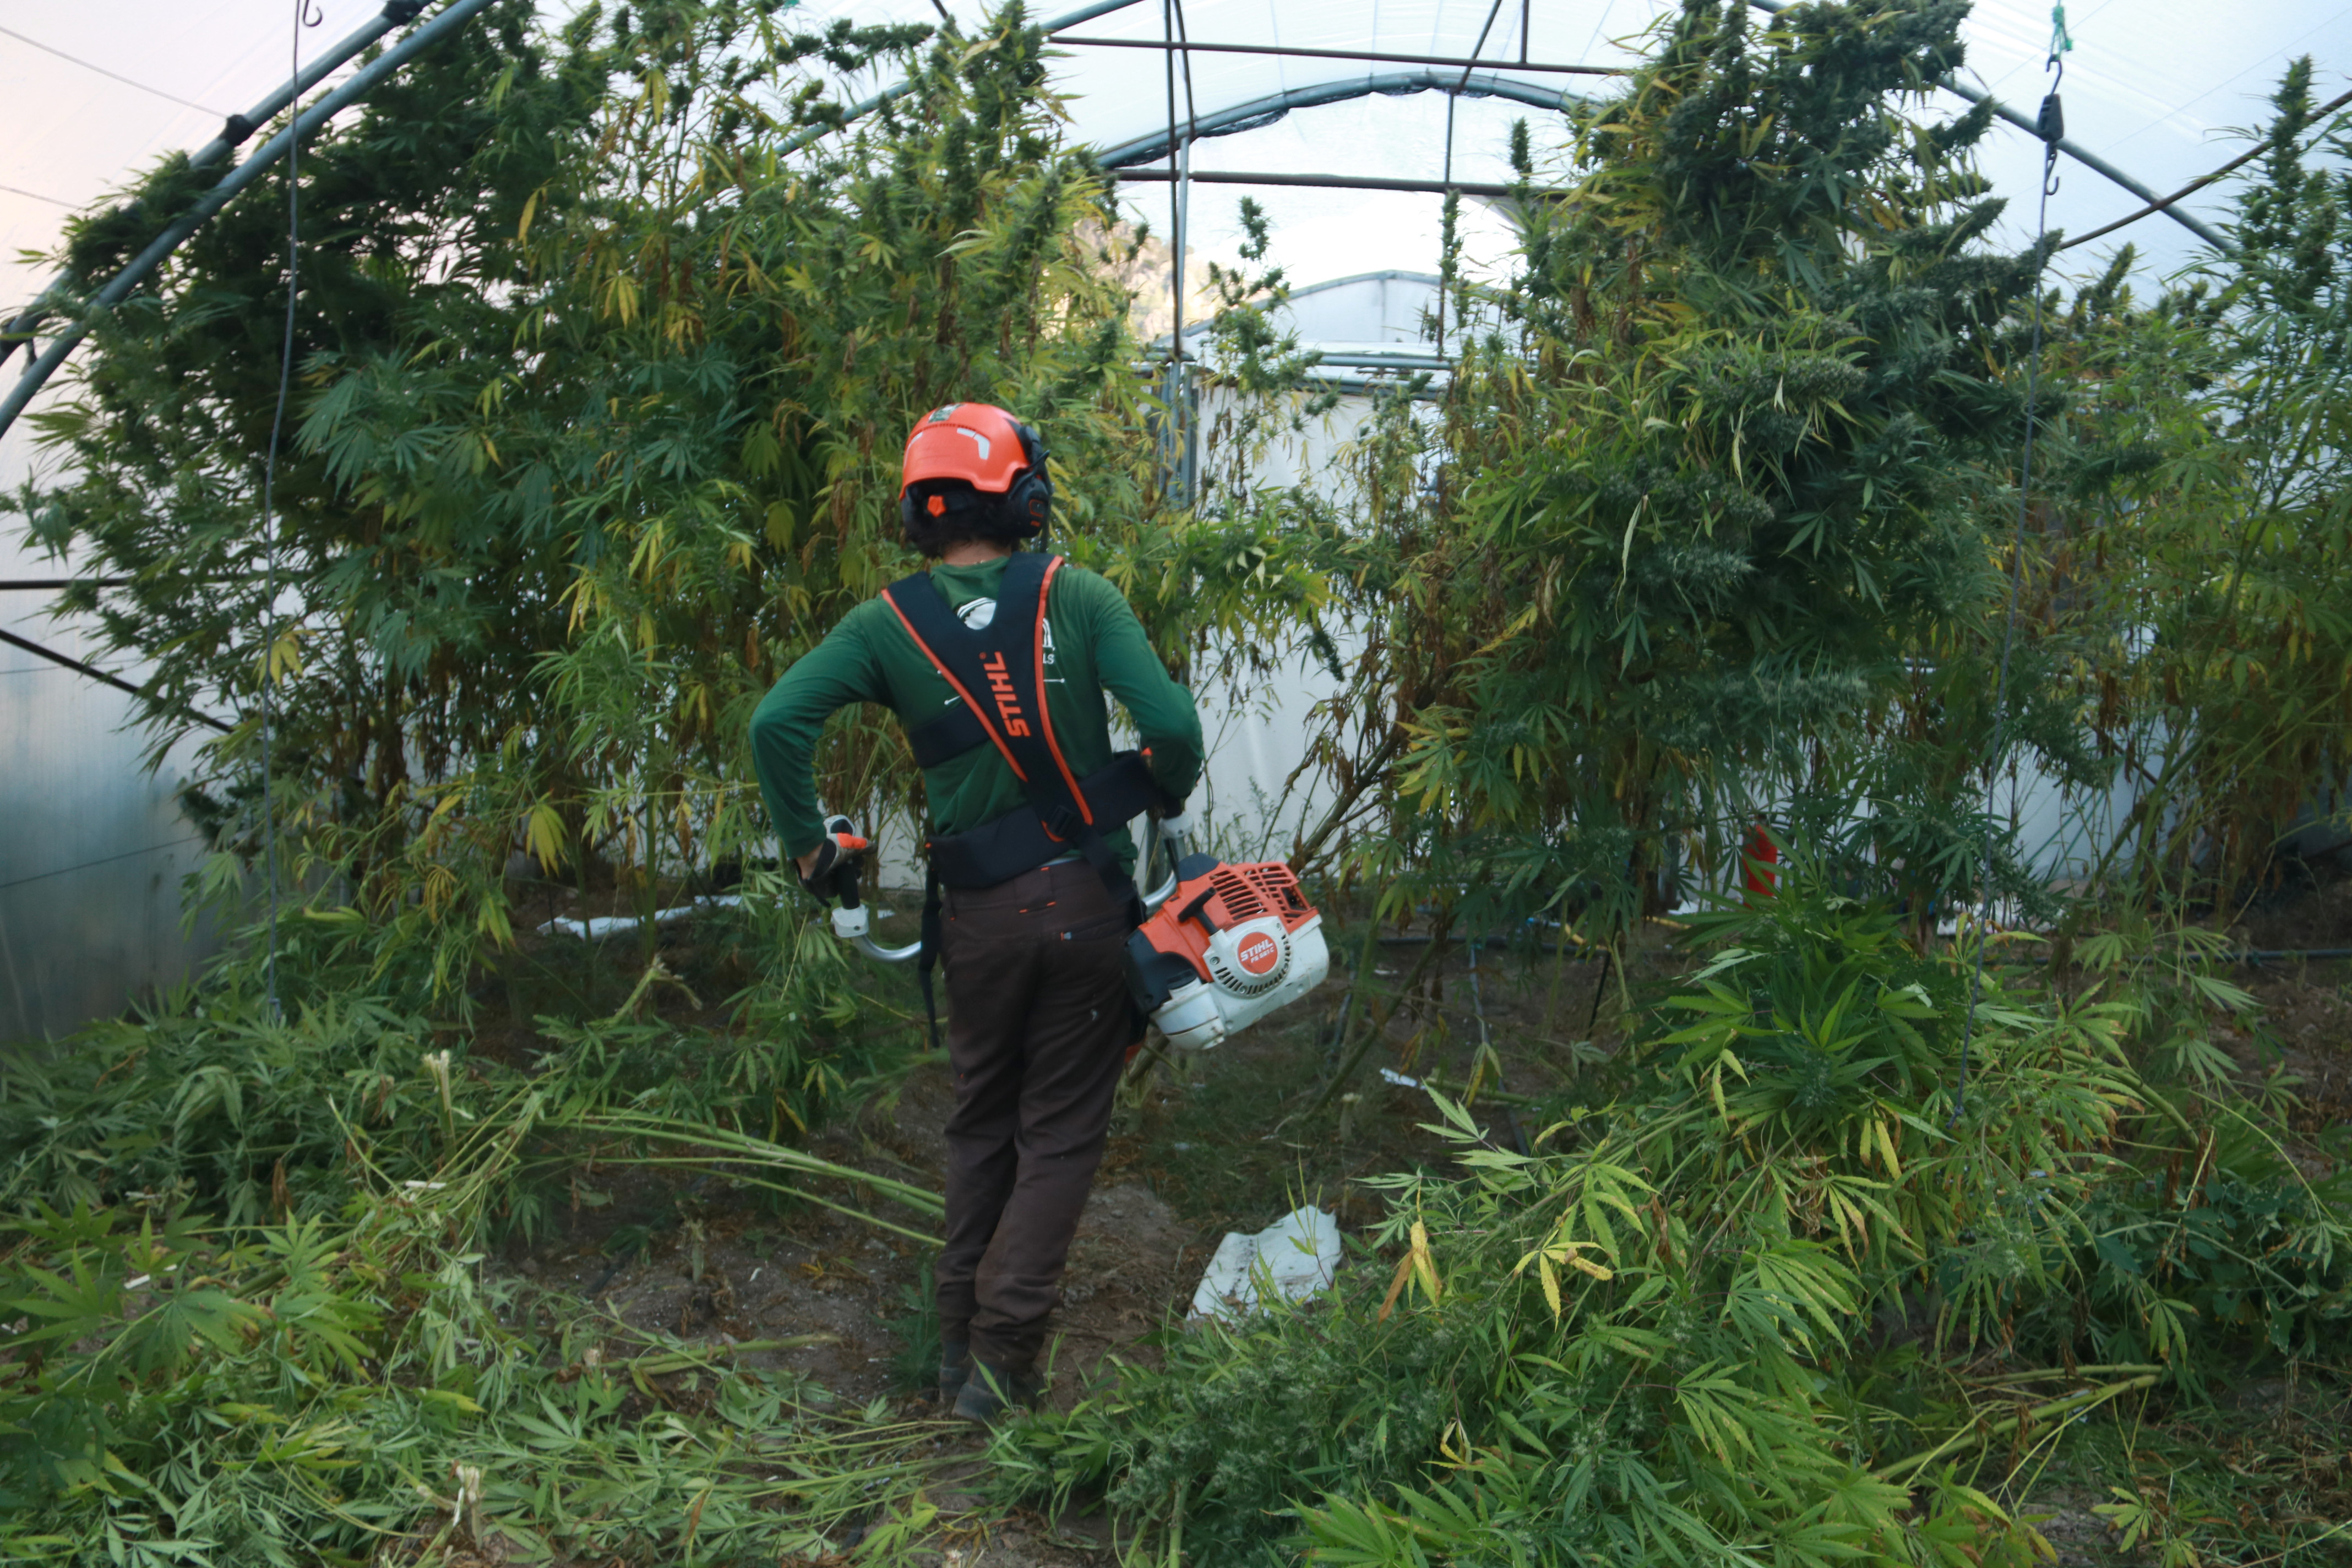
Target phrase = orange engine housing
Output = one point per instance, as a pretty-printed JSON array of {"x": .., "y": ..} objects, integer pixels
[{"x": 1230, "y": 945}]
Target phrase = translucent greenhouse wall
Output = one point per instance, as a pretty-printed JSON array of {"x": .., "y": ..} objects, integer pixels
[{"x": 92, "y": 844}]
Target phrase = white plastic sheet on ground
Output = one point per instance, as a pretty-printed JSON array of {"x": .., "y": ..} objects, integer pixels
[{"x": 1294, "y": 1257}]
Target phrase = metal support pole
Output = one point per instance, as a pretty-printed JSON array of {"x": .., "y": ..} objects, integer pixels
[
  {"x": 1188, "y": 453},
  {"x": 1175, "y": 208},
  {"x": 1172, "y": 392},
  {"x": 1444, "y": 271},
  {"x": 1444, "y": 261}
]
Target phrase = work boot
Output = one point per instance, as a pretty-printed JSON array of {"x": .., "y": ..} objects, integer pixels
[
  {"x": 992, "y": 1393},
  {"x": 955, "y": 1366}
]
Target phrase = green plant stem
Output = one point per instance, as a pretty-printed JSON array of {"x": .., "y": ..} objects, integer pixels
[
  {"x": 743, "y": 1146},
  {"x": 1379, "y": 1028},
  {"x": 2071, "y": 1404},
  {"x": 782, "y": 1187}
]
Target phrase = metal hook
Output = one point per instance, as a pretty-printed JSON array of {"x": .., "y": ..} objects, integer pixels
[
  {"x": 2050, "y": 123},
  {"x": 308, "y": 13}
]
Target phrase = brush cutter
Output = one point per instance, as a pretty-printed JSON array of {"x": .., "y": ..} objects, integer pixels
[{"x": 1221, "y": 946}]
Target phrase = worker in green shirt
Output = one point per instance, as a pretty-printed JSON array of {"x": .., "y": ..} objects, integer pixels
[{"x": 999, "y": 663}]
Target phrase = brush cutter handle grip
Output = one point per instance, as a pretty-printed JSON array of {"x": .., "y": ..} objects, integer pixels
[
  {"x": 1173, "y": 827},
  {"x": 836, "y": 876}
]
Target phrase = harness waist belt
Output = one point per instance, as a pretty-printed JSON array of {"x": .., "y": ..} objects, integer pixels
[{"x": 1021, "y": 839}]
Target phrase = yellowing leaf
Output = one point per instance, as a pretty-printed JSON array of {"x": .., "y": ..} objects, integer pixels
[
  {"x": 1886, "y": 1146},
  {"x": 1425, "y": 1266}
]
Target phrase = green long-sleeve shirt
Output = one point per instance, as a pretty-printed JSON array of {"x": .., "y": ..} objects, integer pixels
[{"x": 1093, "y": 643}]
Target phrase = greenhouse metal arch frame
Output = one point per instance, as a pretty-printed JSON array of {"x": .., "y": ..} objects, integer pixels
[{"x": 1174, "y": 144}]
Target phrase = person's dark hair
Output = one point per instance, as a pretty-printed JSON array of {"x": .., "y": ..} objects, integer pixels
[{"x": 971, "y": 514}]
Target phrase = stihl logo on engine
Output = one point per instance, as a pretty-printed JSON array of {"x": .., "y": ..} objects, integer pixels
[
  {"x": 1259, "y": 954},
  {"x": 999, "y": 685}
]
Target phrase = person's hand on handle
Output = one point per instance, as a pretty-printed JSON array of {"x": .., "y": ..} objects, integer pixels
[{"x": 817, "y": 866}]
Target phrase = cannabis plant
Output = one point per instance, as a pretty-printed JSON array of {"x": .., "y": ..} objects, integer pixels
[
  {"x": 604, "y": 356},
  {"x": 1828, "y": 1281}
]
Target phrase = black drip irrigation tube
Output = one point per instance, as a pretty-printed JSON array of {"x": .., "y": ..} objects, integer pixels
[
  {"x": 2255, "y": 957},
  {"x": 1584, "y": 952},
  {"x": 2258, "y": 956}
]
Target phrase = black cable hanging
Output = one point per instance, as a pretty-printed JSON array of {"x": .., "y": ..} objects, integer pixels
[
  {"x": 2050, "y": 126},
  {"x": 305, "y": 15}
]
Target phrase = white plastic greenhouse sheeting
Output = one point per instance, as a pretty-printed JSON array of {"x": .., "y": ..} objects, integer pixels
[
  {"x": 91, "y": 847},
  {"x": 2150, "y": 86}
]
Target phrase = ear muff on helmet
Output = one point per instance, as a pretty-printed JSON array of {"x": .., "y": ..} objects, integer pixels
[{"x": 1029, "y": 503}]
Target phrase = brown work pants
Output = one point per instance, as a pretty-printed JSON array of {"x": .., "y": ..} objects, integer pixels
[{"x": 1037, "y": 1030}]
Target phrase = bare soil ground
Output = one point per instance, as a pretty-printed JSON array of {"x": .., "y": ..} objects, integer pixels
[{"x": 2306, "y": 1022}]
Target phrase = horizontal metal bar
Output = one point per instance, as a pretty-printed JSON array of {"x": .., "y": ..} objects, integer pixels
[
  {"x": 1330, "y": 182},
  {"x": 1357, "y": 386},
  {"x": 1248, "y": 116},
  {"x": 1155, "y": 360},
  {"x": 1388, "y": 362},
  {"x": 45, "y": 584},
  {"x": 1162, "y": 44},
  {"x": 91, "y": 670},
  {"x": 232, "y": 134}
]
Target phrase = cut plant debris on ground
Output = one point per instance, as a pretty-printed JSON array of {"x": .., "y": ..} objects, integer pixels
[{"x": 520, "y": 1304}]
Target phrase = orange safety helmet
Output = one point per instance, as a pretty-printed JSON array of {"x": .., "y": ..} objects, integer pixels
[{"x": 987, "y": 448}]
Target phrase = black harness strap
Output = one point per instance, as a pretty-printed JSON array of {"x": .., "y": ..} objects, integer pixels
[
  {"x": 1000, "y": 850},
  {"x": 956, "y": 729},
  {"x": 998, "y": 674},
  {"x": 990, "y": 670}
]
